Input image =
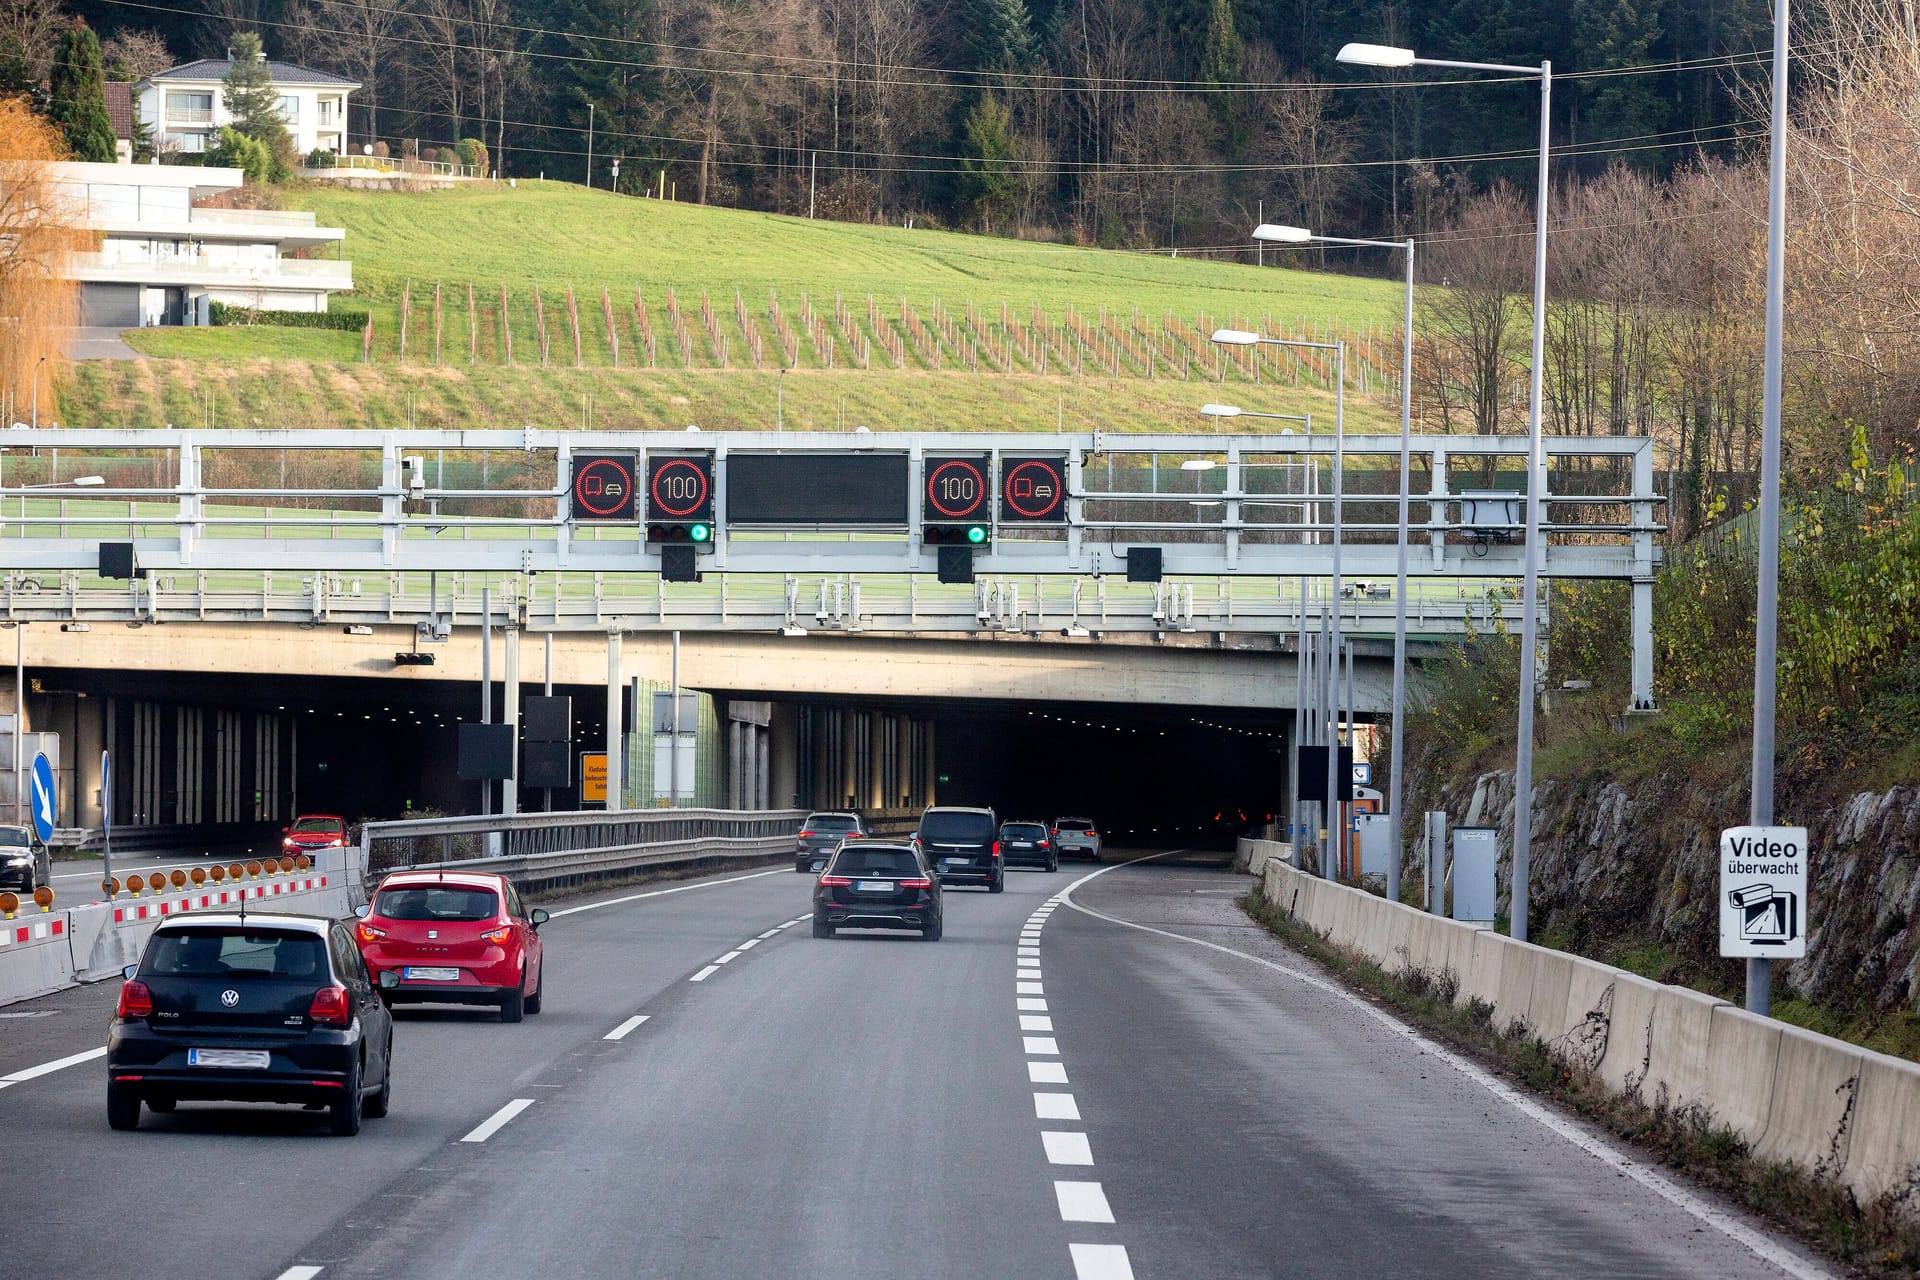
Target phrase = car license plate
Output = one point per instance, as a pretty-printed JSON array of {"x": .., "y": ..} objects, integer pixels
[
  {"x": 874, "y": 886},
  {"x": 1022, "y": 844},
  {"x": 255, "y": 1058},
  {"x": 430, "y": 973},
  {"x": 953, "y": 862}
]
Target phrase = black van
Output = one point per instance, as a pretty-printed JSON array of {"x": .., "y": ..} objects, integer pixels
[{"x": 962, "y": 846}]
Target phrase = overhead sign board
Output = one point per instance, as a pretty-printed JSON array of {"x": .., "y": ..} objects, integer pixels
[
  {"x": 1033, "y": 490},
  {"x": 1763, "y": 892},
  {"x": 957, "y": 489},
  {"x": 603, "y": 487},
  {"x": 680, "y": 487},
  {"x": 804, "y": 490}
]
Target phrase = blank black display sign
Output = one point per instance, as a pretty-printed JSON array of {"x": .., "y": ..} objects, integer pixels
[{"x": 806, "y": 489}]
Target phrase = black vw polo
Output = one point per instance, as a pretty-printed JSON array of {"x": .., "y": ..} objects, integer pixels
[
  {"x": 254, "y": 1008},
  {"x": 872, "y": 885}
]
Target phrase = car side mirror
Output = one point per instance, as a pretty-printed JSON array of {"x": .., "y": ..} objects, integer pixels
[
  {"x": 387, "y": 980},
  {"x": 362, "y": 911},
  {"x": 538, "y": 916},
  {"x": 129, "y": 971}
]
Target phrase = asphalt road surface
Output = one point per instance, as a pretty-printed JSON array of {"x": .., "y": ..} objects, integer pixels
[{"x": 711, "y": 1092}]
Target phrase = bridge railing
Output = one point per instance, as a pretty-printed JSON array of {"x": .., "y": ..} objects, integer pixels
[{"x": 549, "y": 850}]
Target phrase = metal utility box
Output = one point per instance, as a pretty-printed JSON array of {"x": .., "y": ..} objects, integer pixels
[{"x": 1476, "y": 855}]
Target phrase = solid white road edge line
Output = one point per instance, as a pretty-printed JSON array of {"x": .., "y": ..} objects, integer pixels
[
  {"x": 48, "y": 1068},
  {"x": 1100, "y": 1262},
  {"x": 1664, "y": 1187},
  {"x": 498, "y": 1120},
  {"x": 626, "y": 1028},
  {"x": 1082, "y": 1202},
  {"x": 661, "y": 893}
]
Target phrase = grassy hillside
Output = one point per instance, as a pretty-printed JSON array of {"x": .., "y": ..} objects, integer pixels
[{"x": 552, "y": 304}]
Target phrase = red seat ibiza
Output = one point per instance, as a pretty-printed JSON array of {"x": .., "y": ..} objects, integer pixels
[{"x": 455, "y": 937}]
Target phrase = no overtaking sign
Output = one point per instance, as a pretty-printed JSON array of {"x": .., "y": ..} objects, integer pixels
[{"x": 1763, "y": 892}]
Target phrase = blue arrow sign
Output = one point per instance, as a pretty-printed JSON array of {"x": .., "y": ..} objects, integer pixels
[{"x": 46, "y": 800}]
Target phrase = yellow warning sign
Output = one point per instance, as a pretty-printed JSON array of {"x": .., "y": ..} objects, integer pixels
[{"x": 593, "y": 777}]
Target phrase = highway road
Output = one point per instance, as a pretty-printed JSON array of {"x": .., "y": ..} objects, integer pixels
[{"x": 1123, "y": 1078}]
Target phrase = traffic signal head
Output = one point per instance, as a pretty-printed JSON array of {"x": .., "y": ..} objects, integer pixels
[
  {"x": 698, "y": 532},
  {"x": 966, "y": 535}
]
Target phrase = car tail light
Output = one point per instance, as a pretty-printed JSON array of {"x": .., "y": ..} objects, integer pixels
[
  {"x": 836, "y": 882},
  {"x": 1043, "y": 844},
  {"x": 330, "y": 1008},
  {"x": 806, "y": 835},
  {"x": 370, "y": 934},
  {"x": 499, "y": 937},
  {"x": 916, "y": 882},
  {"x": 996, "y": 848},
  {"x": 1093, "y": 835},
  {"x": 135, "y": 1001}
]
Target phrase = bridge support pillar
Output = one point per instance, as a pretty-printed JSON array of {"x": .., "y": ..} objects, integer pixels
[
  {"x": 616, "y": 771},
  {"x": 510, "y": 716}
]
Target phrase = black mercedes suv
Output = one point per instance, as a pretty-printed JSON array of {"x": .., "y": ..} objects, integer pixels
[{"x": 963, "y": 847}]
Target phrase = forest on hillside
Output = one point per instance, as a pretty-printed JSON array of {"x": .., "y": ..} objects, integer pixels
[{"x": 1140, "y": 123}]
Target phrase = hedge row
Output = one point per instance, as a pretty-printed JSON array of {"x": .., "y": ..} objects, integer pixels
[{"x": 349, "y": 321}]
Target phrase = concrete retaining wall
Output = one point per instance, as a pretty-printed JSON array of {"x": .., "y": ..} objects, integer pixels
[
  {"x": 42, "y": 952},
  {"x": 1795, "y": 1096}
]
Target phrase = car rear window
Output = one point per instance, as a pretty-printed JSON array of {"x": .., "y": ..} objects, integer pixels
[
  {"x": 1023, "y": 831},
  {"x": 317, "y": 825},
  {"x": 975, "y": 828},
  {"x": 13, "y": 835},
  {"x": 893, "y": 864},
  {"x": 234, "y": 952},
  {"x": 436, "y": 902},
  {"x": 1073, "y": 824},
  {"x": 832, "y": 822}
]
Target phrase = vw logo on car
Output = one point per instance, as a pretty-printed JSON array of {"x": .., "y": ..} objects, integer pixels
[{"x": 229, "y": 997}]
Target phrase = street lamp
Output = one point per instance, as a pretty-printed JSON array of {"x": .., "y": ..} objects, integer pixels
[
  {"x": 1375, "y": 55},
  {"x": 1274, "y": 234},
  {"x": 1244, "y": 338},
  {"x": 36, "y": 390}
]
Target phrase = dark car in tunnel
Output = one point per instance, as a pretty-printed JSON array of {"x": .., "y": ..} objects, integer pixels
[
  {"x": 871, "y": 885},
  {"x": 963, "y": 846},
  {"x": 1028, "y": 844},
  {"x": 821, "y": 834}
]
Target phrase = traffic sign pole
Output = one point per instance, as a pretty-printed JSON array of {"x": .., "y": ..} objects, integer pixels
[{"x": 106, "y": 816}]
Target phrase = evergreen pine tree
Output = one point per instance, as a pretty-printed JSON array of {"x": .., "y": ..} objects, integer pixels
[
  {"x": 76, "y": 100},
  {"x": 1619, "y": 33},
  {"x": 254, "y": 104},
  {"x": 1000, "y": 35},
  {"x": 986, "y": 159},
  {"x": 1220, "y": 60}
]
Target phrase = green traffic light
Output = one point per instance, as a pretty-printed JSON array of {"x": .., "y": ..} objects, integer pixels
[
  {"x": 700, "y": 532},
  {"x": 976, "y": 534}
]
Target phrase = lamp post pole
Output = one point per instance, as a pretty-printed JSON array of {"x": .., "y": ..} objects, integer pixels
[
  {"x": 1244, "y": 338},
  {"x": 1767, "y": 602},
  {"x": 1372, "y": 55},
  {"x": 1301, "y": 236}
]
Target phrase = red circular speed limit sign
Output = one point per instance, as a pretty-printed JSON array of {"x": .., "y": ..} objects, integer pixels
[
  {"x": 679, "y": 488},
  {"x": 957, "y": 489}
]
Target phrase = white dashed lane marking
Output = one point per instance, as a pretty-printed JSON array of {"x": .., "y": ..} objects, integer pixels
[
  {"x": 1035, "y": 1022},
  {"x": 1046, "y": 1073},
  {"x": 1055, "y": 1106},
  {"x": 1043, "y": 1046},
  {"x": 626, "y": 1028},
  {"x": 1031, "y": 1005},
  {"x": 1101, "y": 1262},
  {"x": 1067, "y": 1148},
  {"x": 498, "y": 1120},
  {"x": 1082, "y": 1202},
  {"x": 705, "y": 973}
]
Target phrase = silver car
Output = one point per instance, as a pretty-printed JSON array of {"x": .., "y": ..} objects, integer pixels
[
  {"x": 821, "y": 834},
  {"x": 19, "y": 869},
  {"x": 1076, "y": 838}
]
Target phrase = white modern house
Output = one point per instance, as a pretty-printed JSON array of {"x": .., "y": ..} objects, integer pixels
[
  {"x": 182, "y": 105},
  {"x": 162, "y": 261}
]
